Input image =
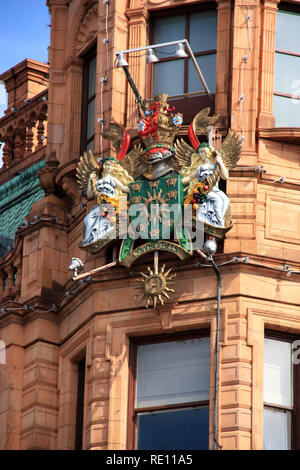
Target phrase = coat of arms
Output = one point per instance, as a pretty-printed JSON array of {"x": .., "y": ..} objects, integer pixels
[{"x": 140, "y": 195}]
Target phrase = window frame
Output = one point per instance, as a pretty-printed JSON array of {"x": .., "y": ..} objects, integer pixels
[
  {"x": 80, "y": 401},
  {"x": 90, "y": 55},
  {"x": 295, "y": 409},
  {"x": 292, "y": 7},
  {"x": 132, "y": 411},
  {"x": 183, "y": 104}
]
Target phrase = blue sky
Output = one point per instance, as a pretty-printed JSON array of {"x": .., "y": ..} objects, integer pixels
[{"x": 23, "y": 34}]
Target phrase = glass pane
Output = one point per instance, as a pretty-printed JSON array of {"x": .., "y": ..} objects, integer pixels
[
  {"x": 168, "y": 77},
  {"x": 277, "y": 429},
  {"x": 278, "y": 372},
  {"x": 91, "y": 119},
  {"x": 185, "y": 429},
  {"x": 287, "y": 74},
  {"x": 92, "y": 77},
  {"x": 207, "y": 65},
  {"x": 287, "y": 31},
  {"x": 166, "y": 30},
  {"x": 286, "y": 111},
  {"x": 203, "y": 31},
  {"x": 173, "y": 372}
]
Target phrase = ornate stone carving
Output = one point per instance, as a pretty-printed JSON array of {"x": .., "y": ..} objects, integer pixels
[
  {"x": 70, "y": 187},
  {"x": 19, "y": 144},
  {"x": 7, "y": 150},
  {"x": 88, "y": 30},
  {"x": 29, "y": 136},
  {"x": 47, "y": 174}
]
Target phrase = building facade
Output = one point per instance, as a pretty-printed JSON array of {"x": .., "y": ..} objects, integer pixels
[{"x": 84, "y": 364}]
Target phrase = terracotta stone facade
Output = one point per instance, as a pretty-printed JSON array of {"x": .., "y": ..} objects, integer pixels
[{"x": 49, "y": 323}]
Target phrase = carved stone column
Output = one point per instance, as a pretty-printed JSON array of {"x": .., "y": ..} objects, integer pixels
[
  {"x": 269, "y": 10},
  {"x": 73, "y": 74},
  {"x": 40, "y": 132},
  {"x": 57, "y": 113},
  {"x": 19, "y": 144},
  {"x": 137, "y": 65},
  {"x": 7, "y": 151},
  {"x": 10, "y": 278},
  {"x": 223, "y": 60},
  {"x": 29, "y": 137},
  {"x": 245, "y": 73}
]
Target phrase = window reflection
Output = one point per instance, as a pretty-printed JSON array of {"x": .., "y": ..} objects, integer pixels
[
  {"x": 172, "y": 393},
  {"x": 176, "y": 77}
]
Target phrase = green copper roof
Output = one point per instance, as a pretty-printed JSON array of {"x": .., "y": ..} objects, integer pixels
[{"x": 17, "y": 197}]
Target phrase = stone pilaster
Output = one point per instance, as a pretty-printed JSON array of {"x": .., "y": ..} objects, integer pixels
[
  {"x": 266, "y": 118},
  {"x": 223, "y": 60},
  {"x": 56, "y": 97},
  {"x": 242, "y": 192},
  {"x": 98, "y": 396},
  {"x": 45, "y": 257},
  {"x": 73, "y": 108},
  {"x": 39, "y": 400},
  {"x": 235, "y": 418},
  {"x": 245, "y": 71},
  {"x": 137, "y": 64},
  {"x": 11, "y": 384}
]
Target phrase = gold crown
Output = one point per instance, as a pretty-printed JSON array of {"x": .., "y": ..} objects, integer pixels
[{"x": 164, "y": 130}]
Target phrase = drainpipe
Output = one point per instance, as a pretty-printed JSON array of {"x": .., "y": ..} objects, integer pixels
[
  {"x": 216, "y": 444},
  {"x": 209, "y": 258}
]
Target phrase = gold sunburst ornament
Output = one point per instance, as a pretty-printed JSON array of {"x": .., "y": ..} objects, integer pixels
[{"x": 155, "y": 285}]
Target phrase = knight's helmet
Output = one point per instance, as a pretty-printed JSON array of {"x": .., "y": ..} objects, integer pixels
[{"x": 159, "y": 129}]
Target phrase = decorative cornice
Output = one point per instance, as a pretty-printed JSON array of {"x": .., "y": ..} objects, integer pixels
[
  {"x": 284, "y": 134},
  {"x": 273, "y": 3},
  {"x": 157, "y": 4},
  {"x": 137, "y": 12},
  {"x": 32, "y": 104},
  {"x": 52, "y": 3},
  {"x": 73, "y": 61},
  {"x": 27, "y": 64}
]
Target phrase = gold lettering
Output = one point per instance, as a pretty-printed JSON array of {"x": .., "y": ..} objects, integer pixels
[
  {"x": 136, "y": 186},
  {"x": 153, "y": 184},
  {"x": 171, "y": 181},
  {"x": 136, "y": 199}
]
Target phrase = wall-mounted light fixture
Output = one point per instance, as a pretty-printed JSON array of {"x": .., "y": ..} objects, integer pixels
[
  {"x": 183, "y": 50},
  {"x": 151, "y": 57}
]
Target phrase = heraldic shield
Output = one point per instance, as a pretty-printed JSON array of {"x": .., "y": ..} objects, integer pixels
[
  {"x": 155, "y": 207},
  {"x": 154, "y": 212}
]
